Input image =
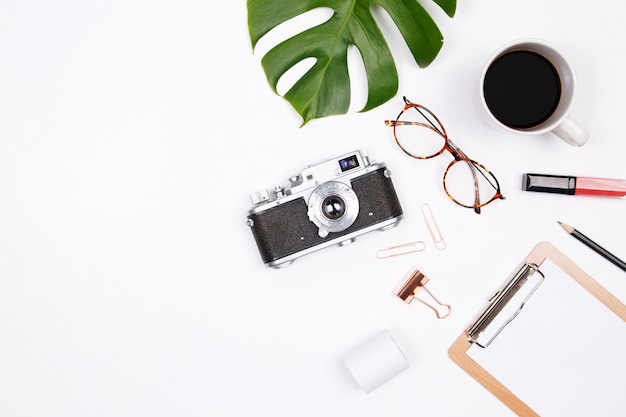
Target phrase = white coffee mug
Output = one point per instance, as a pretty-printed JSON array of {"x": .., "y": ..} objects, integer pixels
[{"x": 557, "y": 119}]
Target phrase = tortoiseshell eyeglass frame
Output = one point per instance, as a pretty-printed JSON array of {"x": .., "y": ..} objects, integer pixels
[{"x": 448, "y": 145}]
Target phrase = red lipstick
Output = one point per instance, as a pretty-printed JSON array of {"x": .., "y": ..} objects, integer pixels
[{"x": 564, "y": 184}]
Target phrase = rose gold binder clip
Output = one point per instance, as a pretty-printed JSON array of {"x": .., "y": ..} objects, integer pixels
[
  {"x": 413, "y": 282},
  {"x": 433, "y": 228},
  {"x": 402, "y": 249}
]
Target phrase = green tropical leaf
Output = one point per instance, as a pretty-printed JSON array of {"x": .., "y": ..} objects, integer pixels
[{"x": 324, "y": 90}]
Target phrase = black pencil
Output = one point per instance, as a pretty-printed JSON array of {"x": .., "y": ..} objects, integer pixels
[{"x": 593, "y": 245}]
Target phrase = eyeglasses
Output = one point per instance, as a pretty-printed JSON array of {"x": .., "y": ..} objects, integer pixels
[{"x": 427, "y": 139}]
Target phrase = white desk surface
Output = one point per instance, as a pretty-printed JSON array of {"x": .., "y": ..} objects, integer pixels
[{"x": 131, "y": 135}]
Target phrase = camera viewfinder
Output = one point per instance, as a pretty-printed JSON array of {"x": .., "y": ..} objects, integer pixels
[{"x": 348, "y": 163}]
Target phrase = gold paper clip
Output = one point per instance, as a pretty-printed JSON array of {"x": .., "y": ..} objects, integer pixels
[
  {"x": 403, "y": 249},
  {"x": 433, "y": 228},
  {"x": 413, "y": 282}
]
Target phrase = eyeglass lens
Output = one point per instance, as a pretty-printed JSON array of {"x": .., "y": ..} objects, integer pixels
[
  {"x": 461, "y": 180},
  {"x": 417, "y": 136}
]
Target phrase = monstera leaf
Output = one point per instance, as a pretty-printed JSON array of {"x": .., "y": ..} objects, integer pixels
[{"x": 324, "y": 89}]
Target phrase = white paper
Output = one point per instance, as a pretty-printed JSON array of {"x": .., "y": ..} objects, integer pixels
[{"x": 564, "y": 355}]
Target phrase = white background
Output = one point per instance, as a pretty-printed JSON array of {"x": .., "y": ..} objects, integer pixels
[{"x": 131, "y": 135}]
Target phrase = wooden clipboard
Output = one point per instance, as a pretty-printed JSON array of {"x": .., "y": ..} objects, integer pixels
[{"x": 458, "y": 352}]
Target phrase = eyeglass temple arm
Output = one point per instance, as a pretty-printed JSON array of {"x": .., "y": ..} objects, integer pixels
[
  {"x": 459, "y": 155},
  {"x": 393, "y": 123}
]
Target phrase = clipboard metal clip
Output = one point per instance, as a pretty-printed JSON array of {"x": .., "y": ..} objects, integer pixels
[{"x": 499, "y": 302}]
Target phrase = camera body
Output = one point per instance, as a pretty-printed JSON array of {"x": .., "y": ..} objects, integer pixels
[{"x": 329, "y": 203}]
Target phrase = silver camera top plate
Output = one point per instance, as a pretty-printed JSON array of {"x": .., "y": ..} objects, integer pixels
[{"x": 342, "y": 169}]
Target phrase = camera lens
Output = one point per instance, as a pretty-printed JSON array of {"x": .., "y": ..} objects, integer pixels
[{"x": 333, "y": 207}]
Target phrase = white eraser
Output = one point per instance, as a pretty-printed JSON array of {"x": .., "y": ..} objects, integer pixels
[{"x": 376, "y": 361}]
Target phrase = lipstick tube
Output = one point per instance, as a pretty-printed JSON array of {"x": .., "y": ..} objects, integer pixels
[{"x": 564, "y": 184}]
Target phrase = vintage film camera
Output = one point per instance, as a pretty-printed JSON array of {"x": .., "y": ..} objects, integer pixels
[{"x": 330, "y": 203}]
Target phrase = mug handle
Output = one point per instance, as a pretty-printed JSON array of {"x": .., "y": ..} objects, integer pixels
[{"x": 571, "y": 132}]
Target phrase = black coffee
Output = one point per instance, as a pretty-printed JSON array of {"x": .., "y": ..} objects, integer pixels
[{"x": 522, "y": 89}]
